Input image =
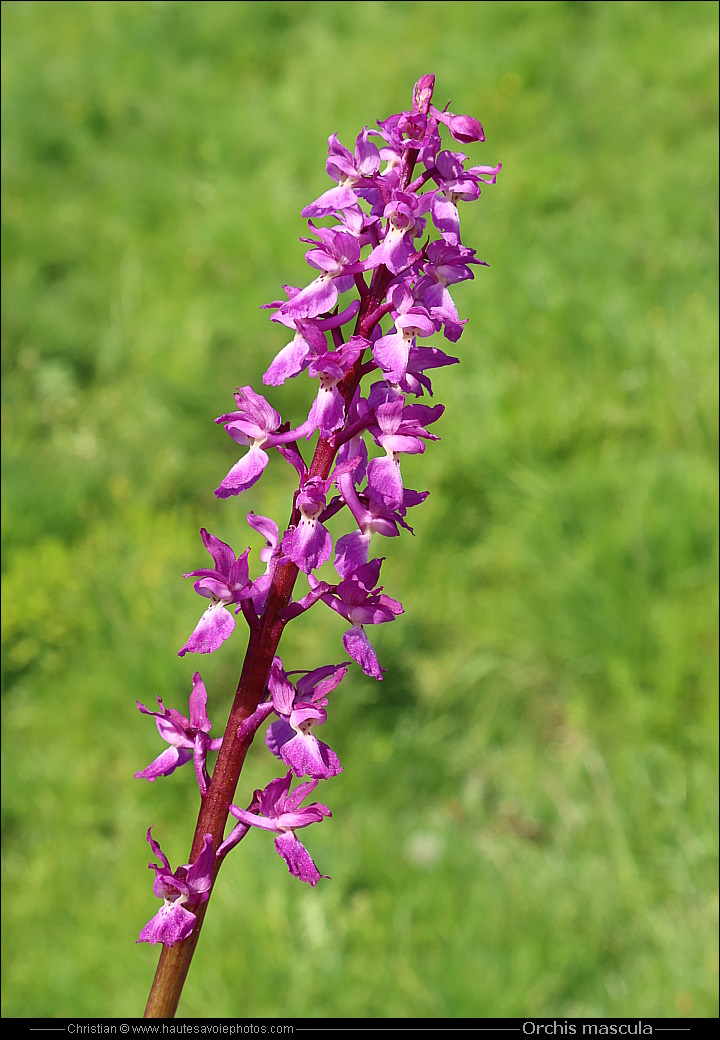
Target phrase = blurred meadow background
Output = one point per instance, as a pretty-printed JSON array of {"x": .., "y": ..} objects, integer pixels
[{"x": 526, "y": 823}]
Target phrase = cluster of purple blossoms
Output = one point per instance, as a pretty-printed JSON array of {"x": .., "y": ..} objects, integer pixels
[{"x": 385, "y": 260}]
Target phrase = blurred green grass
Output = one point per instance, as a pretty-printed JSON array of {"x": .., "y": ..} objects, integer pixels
[{"x": 527, "y": 819}]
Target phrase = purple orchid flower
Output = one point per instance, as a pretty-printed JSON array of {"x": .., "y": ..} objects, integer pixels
[
  {"x": 398, "y": 431},
  {"x": 337, "y": 255},
  {"x": 404, "y": 223},
  {"x": 457, "y": 184},
  {"x": 371, "y": 515},
  {"x": 226, "y": 584},
  {"x": 308, "y": 543},
  {"x": 183, "y": 891},
  {"x": 252, "y": 424},
  {"x": 308, "y": 342},
  {"x": 446, "y": 264},
  {"x": 411, "y": 319},
  {"x": 463, "y": 128},
  {"x": 360, "y": 601},
  {"x": 280, "y": 811},
  {"x": 327, "y": 413},
  {"x": 258, "y": 424},
  {"x": 188, "y": 738},
  {"x": 301, "y": 708},
  {"x": 420, "y": 360},
  {"x": 352, "y": 550},
  {"x": 355, "y": 175},
  {"x": 408, "y": 131}
]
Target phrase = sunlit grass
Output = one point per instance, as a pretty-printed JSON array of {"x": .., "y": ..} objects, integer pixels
[{"x": 526, "y": 821}]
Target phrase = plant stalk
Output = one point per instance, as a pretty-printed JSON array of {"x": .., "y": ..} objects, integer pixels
[{"x": 175, "y": 960}]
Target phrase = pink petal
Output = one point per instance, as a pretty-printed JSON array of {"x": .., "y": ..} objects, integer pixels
[
  {"x": 171, "y": 924},
  {"x": 211, "y": 631},
  {"x": 244, "y": 473},
  {"x": 298, "y": 859},
  {"x": 309, "y": 545},
  {"x": 361, "y": 650}
]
